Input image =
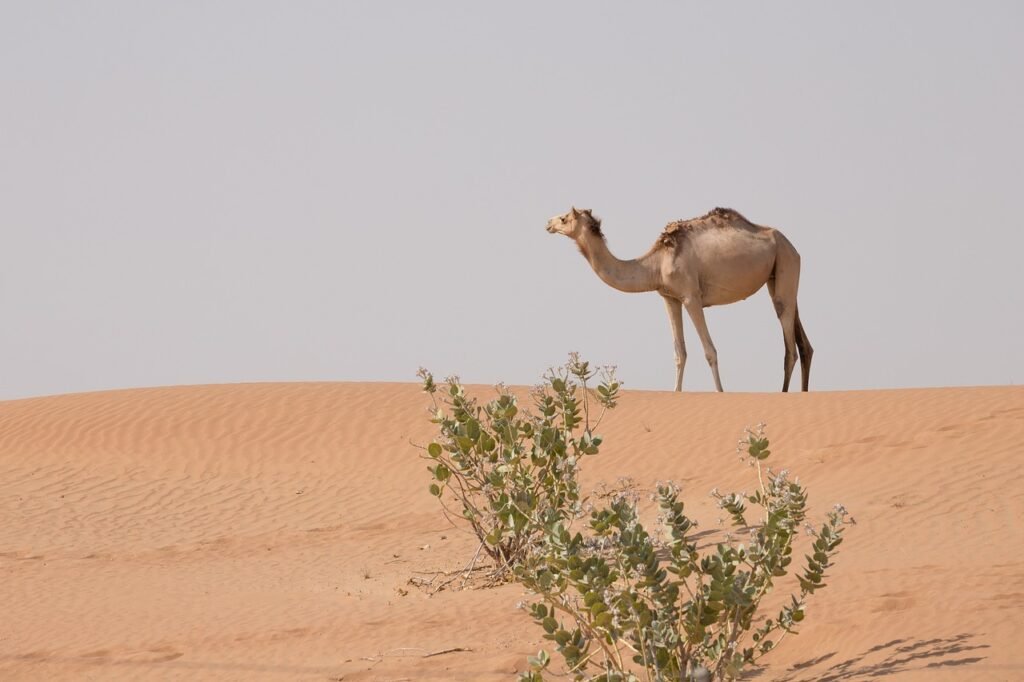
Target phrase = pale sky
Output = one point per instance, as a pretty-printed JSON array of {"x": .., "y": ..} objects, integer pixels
[{"x": 197, "y": 192}]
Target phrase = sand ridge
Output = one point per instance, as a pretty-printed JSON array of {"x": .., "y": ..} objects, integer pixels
[{"x": 270, "y": 531}]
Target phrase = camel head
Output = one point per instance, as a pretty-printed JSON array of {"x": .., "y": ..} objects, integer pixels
[{"x": 574, "y": 223}]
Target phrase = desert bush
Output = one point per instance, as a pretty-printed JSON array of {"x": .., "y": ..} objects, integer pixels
[
  {"x": 512, "y": 473},
  {"x": 622, "y": 605}
]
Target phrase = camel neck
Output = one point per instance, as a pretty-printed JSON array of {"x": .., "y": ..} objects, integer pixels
[{"x": 636, "y": 275}]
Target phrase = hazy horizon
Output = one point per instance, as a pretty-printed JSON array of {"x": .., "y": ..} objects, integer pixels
[{"x": 243, "y": 192}]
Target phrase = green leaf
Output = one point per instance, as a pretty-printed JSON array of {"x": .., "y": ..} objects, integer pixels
[{"x": 434, "y": 450}]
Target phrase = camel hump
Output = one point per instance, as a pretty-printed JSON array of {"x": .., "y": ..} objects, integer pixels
[{"x": 676, "y": 232}]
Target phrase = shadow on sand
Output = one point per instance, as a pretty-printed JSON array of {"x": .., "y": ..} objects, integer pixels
[{"x": 898, "y": 655}]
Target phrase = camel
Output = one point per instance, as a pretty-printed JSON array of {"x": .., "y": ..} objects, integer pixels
[{"x": 716, "y": 259}]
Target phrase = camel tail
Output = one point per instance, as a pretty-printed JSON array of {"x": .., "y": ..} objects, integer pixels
[{"x": 805, "y": 350}]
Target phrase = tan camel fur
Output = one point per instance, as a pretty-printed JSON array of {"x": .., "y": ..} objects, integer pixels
[{"x": 716, "y": 259}]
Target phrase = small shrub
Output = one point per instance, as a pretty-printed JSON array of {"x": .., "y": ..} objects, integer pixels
[
  {"x": 511, "y": 473},
  {"x": 619, "y": 601}
]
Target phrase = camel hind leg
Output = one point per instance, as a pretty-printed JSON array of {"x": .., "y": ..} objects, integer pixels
[
  {"x": 782, "y": 287},
  {"x": 787, "y": 317},
  {"x": 806, "y": 352}
]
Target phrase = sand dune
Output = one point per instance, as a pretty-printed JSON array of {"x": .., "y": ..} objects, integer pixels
[{"x": 270, "y": 531}]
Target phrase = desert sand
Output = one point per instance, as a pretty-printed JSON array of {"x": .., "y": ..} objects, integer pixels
[{"x": 284, "y": 531}]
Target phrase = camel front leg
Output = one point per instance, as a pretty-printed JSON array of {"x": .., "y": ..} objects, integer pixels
[
  {"x": 696, "y": 311},
  {"x": 675, "y": 316}
]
